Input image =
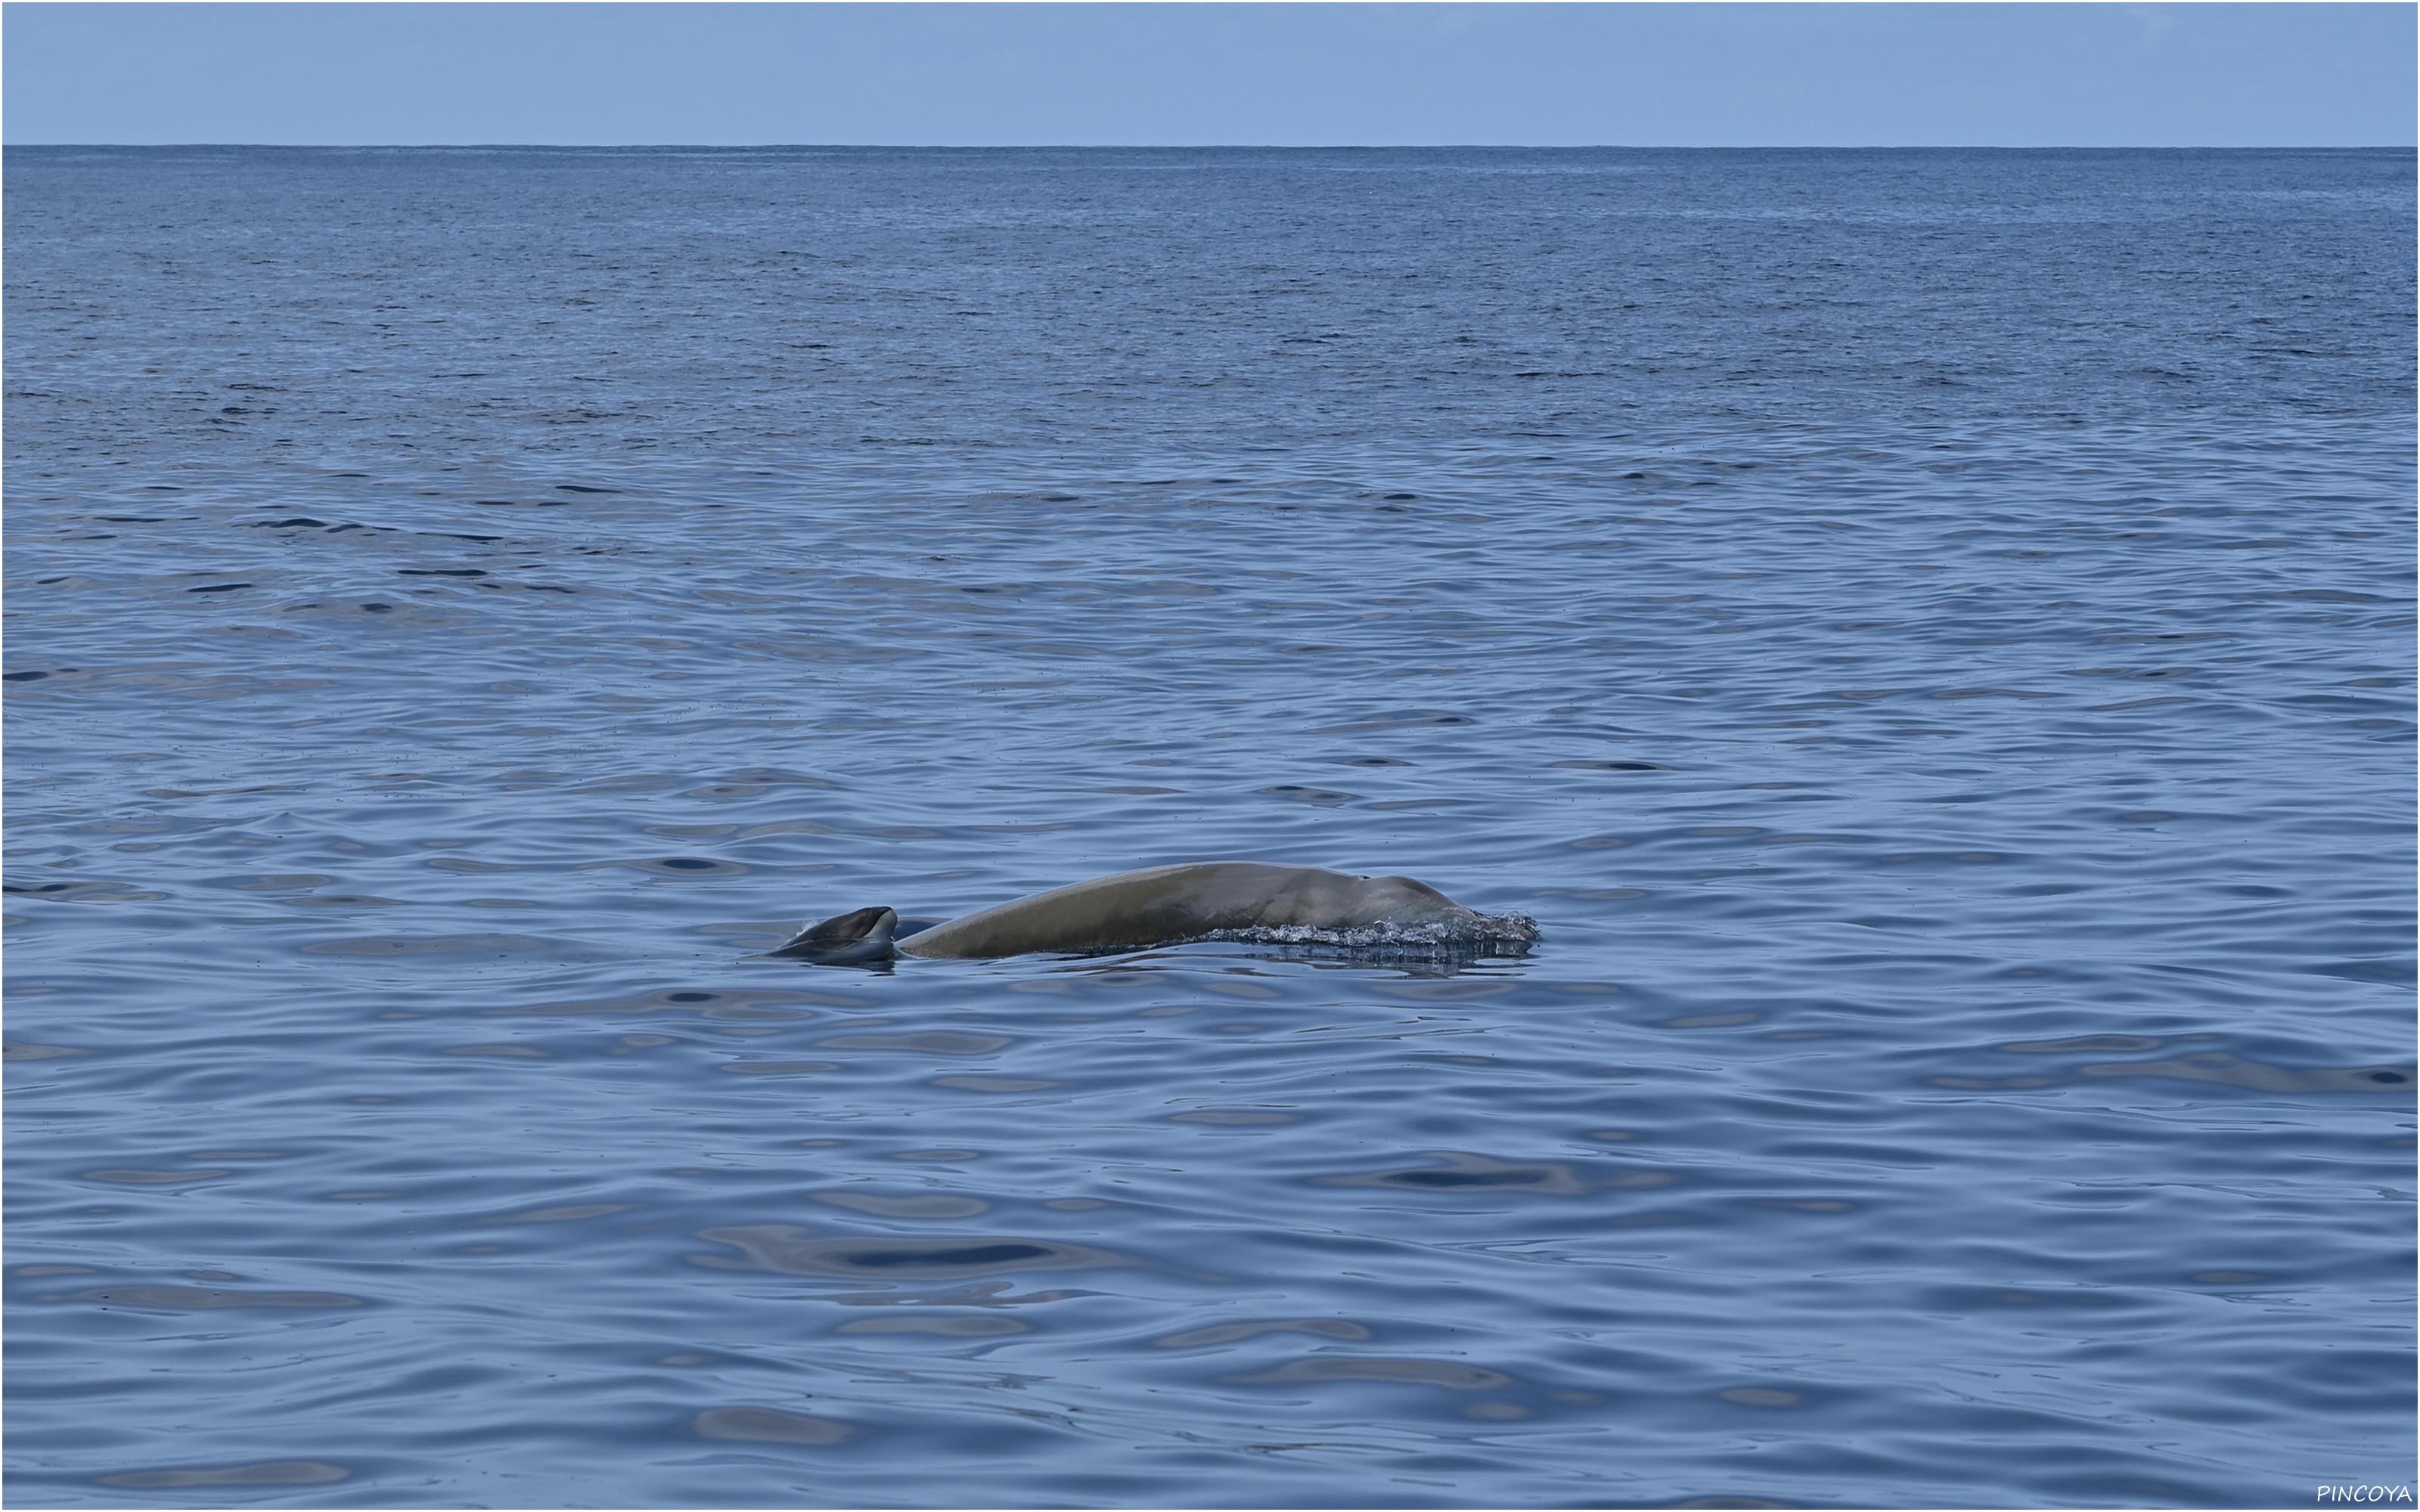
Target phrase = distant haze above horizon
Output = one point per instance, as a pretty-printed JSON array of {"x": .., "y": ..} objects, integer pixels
[{"x": 1237, "y": 75}]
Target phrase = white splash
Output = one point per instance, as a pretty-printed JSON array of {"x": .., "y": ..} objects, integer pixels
[{"x": 1480, "y": 931}]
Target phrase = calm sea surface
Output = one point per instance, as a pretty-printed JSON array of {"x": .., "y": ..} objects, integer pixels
[{"x": 1928, "y": 634}]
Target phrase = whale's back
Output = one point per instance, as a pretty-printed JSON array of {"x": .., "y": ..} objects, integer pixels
[{"x": 1124, "y": 911}]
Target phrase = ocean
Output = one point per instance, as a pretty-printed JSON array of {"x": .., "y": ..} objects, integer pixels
[{"x": 1927, "y": 634}]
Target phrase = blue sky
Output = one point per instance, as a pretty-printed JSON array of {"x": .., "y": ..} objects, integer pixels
[{"x": 1638, "y": 75}]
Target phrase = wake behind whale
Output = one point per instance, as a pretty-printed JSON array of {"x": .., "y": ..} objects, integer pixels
[{"x": 1246, "y": 900}]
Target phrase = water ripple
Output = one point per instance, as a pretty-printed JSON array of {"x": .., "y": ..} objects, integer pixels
[{"x": 1925, "y": 636}]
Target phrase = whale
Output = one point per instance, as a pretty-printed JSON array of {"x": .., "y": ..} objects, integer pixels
[{"x": 1166, "y": 905}]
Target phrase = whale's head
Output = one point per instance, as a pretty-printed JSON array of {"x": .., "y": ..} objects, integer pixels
[{"x": 851, "y": 939}]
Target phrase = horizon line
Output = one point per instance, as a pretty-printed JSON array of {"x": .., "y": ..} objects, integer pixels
[{"x": 1226, "y": 147}]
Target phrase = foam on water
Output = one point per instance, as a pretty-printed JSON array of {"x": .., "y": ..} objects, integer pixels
[{"x": 1444, "y": 937}]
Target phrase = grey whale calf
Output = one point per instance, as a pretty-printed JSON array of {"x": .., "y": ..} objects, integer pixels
[{"x": 1165, "y": 905}]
